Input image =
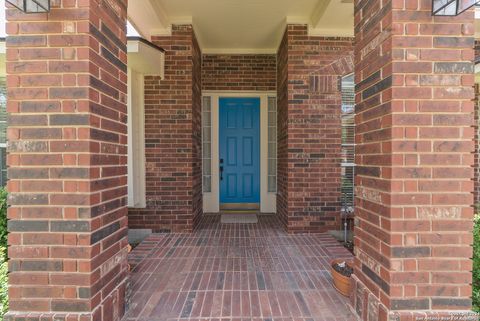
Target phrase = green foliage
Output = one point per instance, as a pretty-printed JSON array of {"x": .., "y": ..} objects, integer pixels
[
  {"x": 3, "y": 283},
  {"x": 476, "y": 264},
  {"x": 3, "y": 220}
]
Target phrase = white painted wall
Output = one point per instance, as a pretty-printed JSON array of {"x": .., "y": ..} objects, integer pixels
[
  {"x": 2, "y": 19},
  {"x": 268, "y": 201},
  {"x": 143, "y": 59},
  {"x": 136, "y": 140}
]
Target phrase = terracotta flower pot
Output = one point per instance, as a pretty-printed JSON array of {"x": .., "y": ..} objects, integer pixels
[
  {"x": 129, "y": 248},
  {"x": 341, "y": 282}
]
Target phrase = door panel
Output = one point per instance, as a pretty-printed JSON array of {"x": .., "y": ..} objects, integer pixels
[
  {"x": 239, "y": 150},
  {"x": 247, "y": 151},
  {"x": 247, "y": 118},
  {"x": 231, "y": 185},
  {"x": 247, "y": 185},
  {"x": 231, "y": 151}
]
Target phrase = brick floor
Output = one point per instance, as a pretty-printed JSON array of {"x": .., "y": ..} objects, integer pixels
[{"x": 235, "y": 272}]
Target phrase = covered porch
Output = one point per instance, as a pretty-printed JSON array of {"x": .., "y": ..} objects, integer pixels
[{"x": 101, "y": 143}]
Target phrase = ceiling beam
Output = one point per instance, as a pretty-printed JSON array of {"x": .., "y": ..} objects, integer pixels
[
  {"x": 149, "y": 18},
  {"x": 318, "y": 12}
]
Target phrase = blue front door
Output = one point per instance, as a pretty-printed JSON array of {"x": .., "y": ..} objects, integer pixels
[{"x": 239, "y": 150}]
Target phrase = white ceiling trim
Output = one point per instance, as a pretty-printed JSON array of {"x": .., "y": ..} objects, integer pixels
[
  {"x": 198, "y": 35},
  {"x": 296, "y": 20},
  {"x": 322, "y": 32},
  {"x": 159, "y": 11},
  {"x": 161, "y": 32},
  {"x": 317, "y": 15},
  {"x": 227, "y": 51},
  {"x": 182, "y": 21},
  {"x": 148, "y": 16},
  {"x": 318, "y": 12}
]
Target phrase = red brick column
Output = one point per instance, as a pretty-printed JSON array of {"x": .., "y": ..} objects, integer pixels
[
  {"x": 309, "y": 131},
  {"x": 476, "y": 181},
  {"x": 67, "y": 131},
  {"x": 173, "y": 138},
  {"x": 414, "y": 76}
]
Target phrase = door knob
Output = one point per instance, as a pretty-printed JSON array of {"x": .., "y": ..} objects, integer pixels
[{"x": 221, "y": 169}]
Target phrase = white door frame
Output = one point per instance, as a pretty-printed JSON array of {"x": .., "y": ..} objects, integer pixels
[{"x": 211, "y": 200}]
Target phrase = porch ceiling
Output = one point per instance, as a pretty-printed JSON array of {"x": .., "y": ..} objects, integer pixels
[{"x": 242, "y": 26}]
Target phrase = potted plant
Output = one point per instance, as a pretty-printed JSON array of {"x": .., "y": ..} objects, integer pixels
[{"x": 342, "y": 271}]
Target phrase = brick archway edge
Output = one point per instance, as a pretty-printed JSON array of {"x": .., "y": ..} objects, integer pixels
[{"x": 326, "y": 80}]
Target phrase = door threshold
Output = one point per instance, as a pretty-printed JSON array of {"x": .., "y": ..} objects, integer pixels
[
  {"x": 239, "y": 206},
  {"x": 233, "y": 212}
]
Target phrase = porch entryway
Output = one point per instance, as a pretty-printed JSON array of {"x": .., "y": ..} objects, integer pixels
[
  {"x": 235, "y": 272},
  {"x": 239, "y": 156}
]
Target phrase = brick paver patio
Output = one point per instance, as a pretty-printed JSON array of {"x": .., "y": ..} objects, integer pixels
[{"x": 235, "y": 272}]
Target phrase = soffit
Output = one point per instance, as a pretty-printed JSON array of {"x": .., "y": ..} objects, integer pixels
[{"x": 236, "y": 26}]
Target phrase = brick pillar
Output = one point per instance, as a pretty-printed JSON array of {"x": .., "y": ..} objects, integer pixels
[
  {"x": 476, "y": 181},
  {"x": 413, "y": 236},
  {"x": 67, "y": 158},
  {"x": 173, "y": 141},
  {"x": 476, "y": 193},
  {"x": 309, "y": 130}
]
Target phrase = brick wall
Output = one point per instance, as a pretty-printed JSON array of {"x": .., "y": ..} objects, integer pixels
[
  {"x": 173, "y": 125},
  {"x": 414, "y": 77},
  {"x": 67, "y": 161},
  {"x": 173, "y": 138},
  {"x": 239, "y": 72},
  {"x": 282, "y": 131},
  {"x": 476, "y": 182},
  {"x": 477, "y": 51},
  {"x": 197, "y": 192},
  {"x": 309, "y": 130}
]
